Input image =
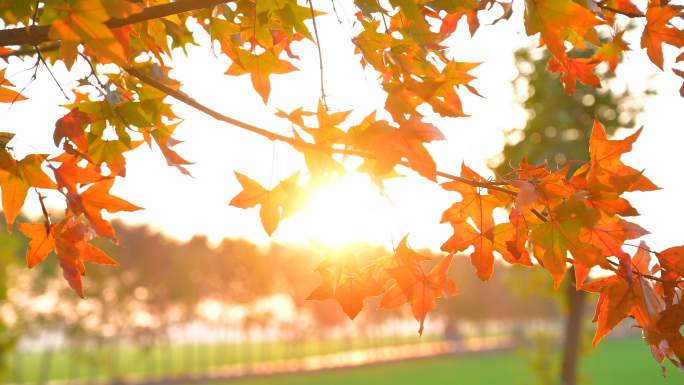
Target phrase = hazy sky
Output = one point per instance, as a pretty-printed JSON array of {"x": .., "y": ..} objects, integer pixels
[{"x": 181, "y": 206}]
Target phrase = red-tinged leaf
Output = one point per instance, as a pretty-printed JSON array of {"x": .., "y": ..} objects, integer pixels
[
  {"x": 595, "y": 286},
  {"x": 97, "y": 198},
  {"x": 474, "y": 204},
  {"x": 69, "y": 175},
  {"x": 396, "y": 144},
  {"x": 672, "y": 259},
  {"x": 658, "y": 31},
  {"x": 7, "y": 95},
  {"x": 71, "y": 126},
  {"x": 418, "y": 289},
  {"x": 573, "y": 70},
  {"x": 666, "y": 339},
  {"x": 496, "y": 239},
  {"x": 527, "y": 171},
  {"x": 518, "y": 246},
  {"x": 609, "y": 237},
  {"x": 260, "y": 67},
  {"x": 548, "y": 17},
  {"x": 162, "y": 136},
  {"x": 552, "y": 240},
  {"x": 72, "y": 270},
  {"x": 608, "y": 152},
  {"x": 15, "y": 180},
  {"x": 618, "y": 300},
  {"x": 42, "y": 241}
]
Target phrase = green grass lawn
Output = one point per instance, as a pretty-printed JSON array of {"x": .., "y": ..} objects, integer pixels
[
  {"x": 622, "y": 361},
  {"x": 615, "y": 361},
  {"x": 164, "y": 361}
]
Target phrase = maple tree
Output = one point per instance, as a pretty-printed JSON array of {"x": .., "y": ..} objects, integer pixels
[{"x": 557, "y": 218}]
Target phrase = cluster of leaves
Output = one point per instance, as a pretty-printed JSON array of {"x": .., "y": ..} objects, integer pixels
[{"x": 552, "y": 213}]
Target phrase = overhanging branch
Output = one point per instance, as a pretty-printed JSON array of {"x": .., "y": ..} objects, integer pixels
[{"x": 36, "y": 35}]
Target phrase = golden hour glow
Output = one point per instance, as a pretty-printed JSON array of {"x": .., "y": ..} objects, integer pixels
[{"x": 347, "y": 212}]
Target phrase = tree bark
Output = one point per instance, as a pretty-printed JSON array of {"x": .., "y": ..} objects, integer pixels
[{"x": 572, "y": 332}]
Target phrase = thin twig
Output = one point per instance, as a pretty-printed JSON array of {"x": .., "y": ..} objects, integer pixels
[
  {"x": 47, "y": 67},
  {"x": 320, "y": 55}
]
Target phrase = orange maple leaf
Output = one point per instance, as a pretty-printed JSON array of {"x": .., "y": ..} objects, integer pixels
[
  {"x": 349, "y": 290},
  {"x": 15, "y": 180},
  {"x": 71, "y": 126},
  {"x": 608, "y": 152},
  {"x": 84, "y": 21},
  {"x": 271, "y": 201},
  {"x": 416, "y": 287},
  {"x": 658, "y": 32}
]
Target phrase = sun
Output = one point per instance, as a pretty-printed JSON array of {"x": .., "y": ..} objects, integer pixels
[{"x": 344, "y": 212}]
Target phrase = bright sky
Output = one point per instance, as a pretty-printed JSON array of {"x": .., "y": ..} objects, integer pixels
[{"x": 181, "y": 206}]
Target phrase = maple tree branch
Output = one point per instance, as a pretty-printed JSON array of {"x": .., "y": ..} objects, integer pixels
[
  {"x": 36, "y": 35},
  {"x": 300, "y": 143},
  {"x": 643, "y": 275},
  {"x": 292, "y": 141},
  {"x": 628, "y": 14}
]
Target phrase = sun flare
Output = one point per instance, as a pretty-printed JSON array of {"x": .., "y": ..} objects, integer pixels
[{"x": 346, "y": 212}]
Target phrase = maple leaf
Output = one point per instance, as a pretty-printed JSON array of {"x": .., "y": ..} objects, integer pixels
[
  {"x": 548, "y": 17},
  {"x": 666, "y": 339},
  {"x": 573, "y": 70},
  {"x": 416, "y": 287},
  {"x": 496, "y": 238},
  {"x": 68, "y": 239},
  {"x": 84, "y": 21},
  {"x": 109, "y": 152},
  {"x": 162, "y": 136},
  {"x": 69, "y": 175},
  {"x": 604, "y": 190},
  {"x": 611, "y": 51},
  {"x": 607, "y": 153},
  {"x": 321, "y": 164},
  {"x": 71, "y": 126},
  {"x": 473, "y": 203},
  {"x": 349, "y": 290},
  {"x": 406, "y": 142},
  {"x": 552, "y": 240},
  {"x": 672, "y": 259},
  {"x": 340, "y": 257},
  {"x": 15, "y": 180},
  {"x": 619, "y": 299},
  {"x": 327, "y": 132},
  {"x": 97, "y": 198},
  {"x": 7, "y": 95},
  {"x": 260, "y": 67},
  {"x": 657, "y": 31},
  {"x": 611, "y": 235},
  {"x": 42, "y": 241},
  {"x": 271, "y": 201},
  {"x": 296, "y": 116}
]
